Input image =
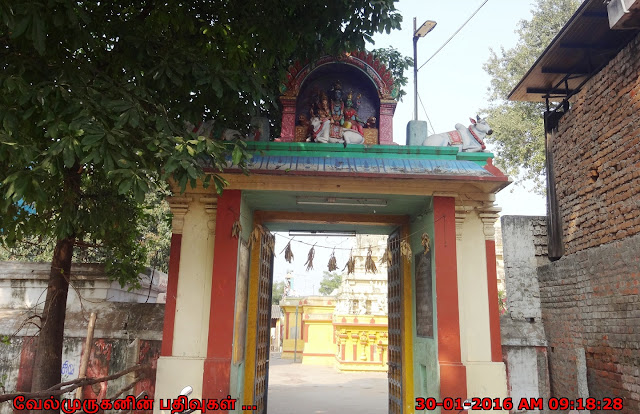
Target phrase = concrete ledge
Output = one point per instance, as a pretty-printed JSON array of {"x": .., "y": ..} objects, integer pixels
[
  {"x": 177, "y": 373},
  {"x": 487, "y": 379}
]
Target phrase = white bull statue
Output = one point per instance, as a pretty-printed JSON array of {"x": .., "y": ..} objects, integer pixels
[
  {"x": 321, "y": 133},
  {"x": 469, "y": 139}
]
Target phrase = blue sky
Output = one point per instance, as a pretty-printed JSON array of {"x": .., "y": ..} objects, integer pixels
[{"x": 453, "y": 87}]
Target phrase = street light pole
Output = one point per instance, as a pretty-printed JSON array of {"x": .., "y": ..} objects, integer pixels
[
  {"x": 415, "y": 72},
  {"x": 417, "y": 34}
]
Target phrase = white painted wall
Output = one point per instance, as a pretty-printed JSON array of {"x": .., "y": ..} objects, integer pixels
[
  {"x": 23, "y": 286},
  {"x": 523, "y": 369}
]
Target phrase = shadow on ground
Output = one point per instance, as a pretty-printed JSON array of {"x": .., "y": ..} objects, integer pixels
[{"x": 310, "y": 389}]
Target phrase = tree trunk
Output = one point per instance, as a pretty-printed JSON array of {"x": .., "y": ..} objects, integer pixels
[{"x": 48, "y": 359}]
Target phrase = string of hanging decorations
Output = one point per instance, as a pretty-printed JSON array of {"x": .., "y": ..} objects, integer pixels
[{"x": 259, "y": 232}]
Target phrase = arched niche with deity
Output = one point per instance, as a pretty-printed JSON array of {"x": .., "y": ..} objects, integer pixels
[{"x": 353, "y": 89}]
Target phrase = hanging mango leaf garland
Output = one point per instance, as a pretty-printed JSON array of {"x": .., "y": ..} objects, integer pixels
[
  {"x": 333, "y": 263},
  {"x": 310, "y": 255},
  {"x": 386, "y": 258},
  {"x": 369, "y": 265},
  {"x": 288, "y": 254},
  {"x": 405, "y": 250},
  {"x": 256, "y": 235},
  {"x": 351, "y": 264},
  {"x": 426, "y": 243},
  {"x": 236, "y": 229}
]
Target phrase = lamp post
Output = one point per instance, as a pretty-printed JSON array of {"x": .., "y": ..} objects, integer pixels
[{"x": 417, "y": 34}]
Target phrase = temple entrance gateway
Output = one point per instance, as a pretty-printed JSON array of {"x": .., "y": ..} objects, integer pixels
[
  {"x": 436, "y": 203},
  {"x": 399, "y": 299}
]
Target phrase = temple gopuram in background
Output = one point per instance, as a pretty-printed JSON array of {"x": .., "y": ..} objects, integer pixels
[{"x": 347, "y": 329}]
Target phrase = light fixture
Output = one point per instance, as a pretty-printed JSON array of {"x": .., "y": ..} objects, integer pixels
[
  {"x": 424, "y": 29},
  {"x": 342, "y": 201},
  {"x": 322, "y": 233},
  {"x": 417, "y": 34}
]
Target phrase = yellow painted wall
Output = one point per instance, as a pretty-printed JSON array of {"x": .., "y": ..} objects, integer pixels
[
  {"x": 288, "y": 307},
  {"x": 323, "y": 335},
  {"x": 363, "y": 331}
]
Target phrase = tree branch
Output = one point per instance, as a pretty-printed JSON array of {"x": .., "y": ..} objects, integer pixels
[
  {"x": 127, "y": 387},
  {"x": 81, "y": 243},
  {"x": 72, "y": 385}
]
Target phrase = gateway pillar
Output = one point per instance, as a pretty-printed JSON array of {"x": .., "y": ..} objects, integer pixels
[
  {"x": 186, "y": 326},
  {"x": 453, "y": 373},
  {"x": 478, "y": 293}
]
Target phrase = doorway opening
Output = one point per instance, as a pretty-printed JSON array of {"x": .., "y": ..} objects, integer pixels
[
  {"x": 317, "y": 337},
  {"x": 330, "y": 342}
]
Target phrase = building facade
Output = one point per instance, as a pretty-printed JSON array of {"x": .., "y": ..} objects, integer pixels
[{"x": 589, "y": 293}]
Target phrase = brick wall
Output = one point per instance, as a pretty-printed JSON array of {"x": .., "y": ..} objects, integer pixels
[
  {"x": 591, "y": 314},
  {"x": 597, "y": 156}
]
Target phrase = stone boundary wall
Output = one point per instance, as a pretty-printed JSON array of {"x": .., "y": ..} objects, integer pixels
[
  {"x": 524, "y": 248},
  {"x": 23, "y": 286},
  {"x": 524, "y": 345},
  {"x": 125, "y": 334},
  {"x": 597, "y": 156},
  {"x": 591, "y": 315}
]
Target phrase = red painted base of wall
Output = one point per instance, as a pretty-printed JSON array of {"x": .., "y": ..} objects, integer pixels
[
  {"x": 453, "y": 382},
  {"x": 217, "y": 372}
]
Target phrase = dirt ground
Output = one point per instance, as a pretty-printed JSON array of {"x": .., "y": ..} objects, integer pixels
[{"x": 310, "y": 389}]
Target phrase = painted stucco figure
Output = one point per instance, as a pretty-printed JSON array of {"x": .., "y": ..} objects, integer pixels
[
  {"x": 337, "y": 111},
  {"x": 320, "y": 133},
  {"x": 468, "y": 139},
  {"x": 351, "y": 119}
]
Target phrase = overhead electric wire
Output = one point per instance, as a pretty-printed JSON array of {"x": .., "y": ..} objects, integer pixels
[
  {"x": 427, "y": 115},
  {"x": 454, "y": 34}
]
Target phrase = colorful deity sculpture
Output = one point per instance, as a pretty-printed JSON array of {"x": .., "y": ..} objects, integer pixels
[
  {"x": 337, "y": 110},
  {"x": 351, "y": 119},
  {"x": 320, "y": 107}
]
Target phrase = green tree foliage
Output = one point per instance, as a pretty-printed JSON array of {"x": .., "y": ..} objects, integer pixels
[
  {"x": 277, "y": 292},
  {"x": 330, "y": 282},
  {"x": 518, "y": 126},
  {"x": 397, "y": 64},
  {"x": 155, "y": 236},
  {"x": 94, "y": 102}
]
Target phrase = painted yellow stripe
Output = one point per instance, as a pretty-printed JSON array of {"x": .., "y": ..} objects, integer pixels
[
  {"x": 408, "y": 399},
  {"x": 252, "y": 323}
]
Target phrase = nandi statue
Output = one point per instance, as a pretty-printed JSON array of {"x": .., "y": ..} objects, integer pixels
[
  {"x": 469, "y": 139},
  {"x": 321, "y": 130},
  {"x": 206, "y": 129}
]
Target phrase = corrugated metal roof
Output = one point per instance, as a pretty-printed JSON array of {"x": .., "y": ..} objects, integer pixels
[
  {"x": 275, "y": 312},
  {"x": 583, "y": 46}
]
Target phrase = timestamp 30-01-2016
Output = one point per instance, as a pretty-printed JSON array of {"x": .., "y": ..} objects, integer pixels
[{"x": 486, "y": 403}]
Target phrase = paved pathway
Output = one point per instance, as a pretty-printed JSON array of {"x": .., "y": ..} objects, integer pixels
[{"x": 310, "y": 389}]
